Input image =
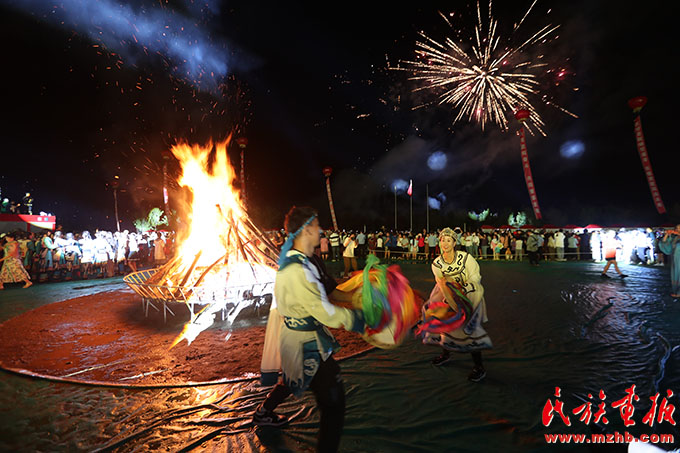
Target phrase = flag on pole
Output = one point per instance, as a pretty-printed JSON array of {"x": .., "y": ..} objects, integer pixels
[{"x": 410, "y": 188}]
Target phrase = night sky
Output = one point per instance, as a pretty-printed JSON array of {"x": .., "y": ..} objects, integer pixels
[{"x": 310, "y": 87}]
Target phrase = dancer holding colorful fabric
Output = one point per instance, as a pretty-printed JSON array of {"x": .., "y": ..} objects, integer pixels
[
  {"x": 455, "y": 311},
  {"x": 306, "y": 345}
]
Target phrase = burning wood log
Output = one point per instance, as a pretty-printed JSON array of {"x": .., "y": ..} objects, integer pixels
[
  {"x": 241, "y": 243},
  {"x": 255, "y": 232},
  {"x": 177, "y": 293},
  {"x": 270, "y": 254},
  {"x": 202, "y": 276},
  {"x": 191, "y": 269},
  {"x": 166, "y": 269}
]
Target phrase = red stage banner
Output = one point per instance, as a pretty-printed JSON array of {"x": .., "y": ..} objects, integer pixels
[
  {"x": 647, "y": 166},
  {"x": 527, "y": 174},
  {"x": 13, "y": 222}
]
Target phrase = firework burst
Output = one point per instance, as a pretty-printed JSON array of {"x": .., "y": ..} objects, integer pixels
[{"x": 491, "y": 80}]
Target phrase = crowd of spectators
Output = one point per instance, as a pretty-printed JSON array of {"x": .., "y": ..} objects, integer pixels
[
  {"x": 638, "y": 245},
  {"x": 59, "y": 256}
]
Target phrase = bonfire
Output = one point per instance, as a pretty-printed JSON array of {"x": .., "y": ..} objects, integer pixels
[{"x": 223, "y": 262}]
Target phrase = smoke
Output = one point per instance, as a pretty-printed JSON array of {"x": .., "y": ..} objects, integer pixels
[
  {"x": 399, "y": 185},
  {"x": 455, "y": 165},
  {"x": 183, "y": 40},
  {"x": 437, "y": 160},
  {"x": 572, "y": 149},
  {"x": 436, "y": 202}
]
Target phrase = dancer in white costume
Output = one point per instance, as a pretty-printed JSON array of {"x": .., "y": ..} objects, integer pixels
[
  {"x": 306, "y": 345},
  {"x": 461, "y": 268}
]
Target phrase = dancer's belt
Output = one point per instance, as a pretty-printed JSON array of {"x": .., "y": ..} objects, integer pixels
[{"x": 309, "y": 324}]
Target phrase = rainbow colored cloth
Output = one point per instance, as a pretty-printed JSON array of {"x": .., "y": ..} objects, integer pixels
[
  {"x": 446, "y": 315},
  {"x": 389, "y": 304}
]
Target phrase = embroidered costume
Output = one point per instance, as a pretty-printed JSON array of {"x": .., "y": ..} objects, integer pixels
[
  {"x": 303, "y": 304},
  {"x": 456, "y": 309},
  {"x": 12, "y": 269}
]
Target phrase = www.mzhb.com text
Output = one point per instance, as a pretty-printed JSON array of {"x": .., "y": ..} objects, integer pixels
[{"x": 615, "y": 438}]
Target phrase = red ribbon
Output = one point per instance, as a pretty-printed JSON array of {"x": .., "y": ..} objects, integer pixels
[
  {"x": 647, "y": 166},
  {"x": 527, "y": 174}
]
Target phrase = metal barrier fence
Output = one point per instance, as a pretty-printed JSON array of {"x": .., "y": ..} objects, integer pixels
[
  {"x": 193, "y": 297},
  {"x": 404, "y": 256}
]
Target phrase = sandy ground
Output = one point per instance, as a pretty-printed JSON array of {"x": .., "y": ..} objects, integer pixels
[{"x": 106, "y": 337}]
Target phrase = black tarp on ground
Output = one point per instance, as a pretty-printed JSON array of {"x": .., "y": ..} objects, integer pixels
[{"x": 550, "y": 326}]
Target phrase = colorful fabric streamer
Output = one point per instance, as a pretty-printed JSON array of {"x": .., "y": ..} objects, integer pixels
[
  {"x": 389, "y": 304},
  {"x": 446, "y": 315}
]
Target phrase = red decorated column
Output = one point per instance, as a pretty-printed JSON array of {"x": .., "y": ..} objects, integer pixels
[
  {"x": 327, "y": 171},
  {"x": 242, "y": 143},
  {"x": 636, "y": 104},
  {"x": 522, "y": 115}
]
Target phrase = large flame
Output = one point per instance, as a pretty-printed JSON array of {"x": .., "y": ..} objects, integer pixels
[
  {"x": 221, "y": 258},
  {"x": 215, "y": 200}
]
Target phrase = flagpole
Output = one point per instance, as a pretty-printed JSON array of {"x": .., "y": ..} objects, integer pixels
[
  {"x": 410, "y": 196},
  {"x": 427, "y": 206},
  {"x": 395, "y": 208}
]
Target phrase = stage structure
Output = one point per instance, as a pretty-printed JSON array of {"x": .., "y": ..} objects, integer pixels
[{"x": 26, "y": 222}]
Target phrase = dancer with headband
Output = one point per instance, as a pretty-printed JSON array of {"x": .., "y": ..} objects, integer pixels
[
  {"x": 455, "y": 311},
  {"x": 306, "y": 345}
]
